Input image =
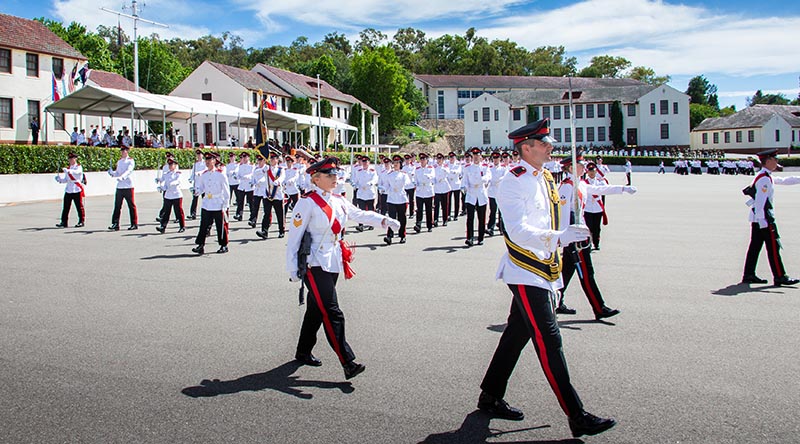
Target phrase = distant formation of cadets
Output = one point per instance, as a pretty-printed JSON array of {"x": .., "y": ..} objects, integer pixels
[{"x": 714, "y": 167}]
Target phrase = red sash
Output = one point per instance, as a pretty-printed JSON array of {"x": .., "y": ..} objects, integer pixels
[
  {"x": 336, "y": 228},
  {"x": 76, "y": 182}
]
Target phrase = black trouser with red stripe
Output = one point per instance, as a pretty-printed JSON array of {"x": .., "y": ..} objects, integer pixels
[
  {"x": 193, "y": 206},
  {"x": 397, "y": 211},
  {"x": 494, "y": 215},
  {"x": 323, "y": 310},
  {"x": 441, "y": 200},
  {"x": 68, "y": 199},
  {"x": 758, "y": 237},
  {"x": 275, "y": 205},
  {"x": 175, "y": 205},
  {"x": 471, "y": 221},
  {"x": 243, "y": 197},
  {"x": 410, "y": 194},
  {"x": 291, "y": 202},
  {"x": 125, "y": 194},
  {"x": 208, "y": 217},
  {"x": 424, "y": 204},
  {"x": 382, "y": 205},
  {"x": 532, "y": 319},
  {"x": 594, "y": 221},
  {"x": 570, "y": 256},
  {"x": 455, "y": 197}
]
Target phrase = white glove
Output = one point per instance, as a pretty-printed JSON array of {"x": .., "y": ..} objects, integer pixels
[
  {"x": 160, "y": 190},
  {"x": 629, "y": 189},
  {"x": 392, "y": 223},
  {"x": 56, "y": 177},
  {"x": 156, "y": 180},
  {"x": 574, "y": 233},
  {"x": 293, "y": 277},
  {"x": 110, "y": 171}
]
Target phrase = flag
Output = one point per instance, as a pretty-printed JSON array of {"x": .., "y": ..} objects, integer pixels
[
  {"x": 56, "y": 95},
  {"x": 84, "y": 73},
  {"x": 72, "y": 76},
  {"x": 272, "y": 103},
  {"x": 64, "y": 90},
  {"x": 261, "y": 127}
]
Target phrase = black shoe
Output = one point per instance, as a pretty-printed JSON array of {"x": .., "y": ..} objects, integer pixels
[
  {"x": 176, "y": 221},
  {"x": 79, "y": 225},
  {"x": 606, "y": 312},
  {"x": 785, "y": 280},
  {"x": 251, "y": 223},
  {"x": 490, "y": 233},
  {"x": 417, "y": 228},
  {"x": 133, "y": 227},
  {"x": 435, "y": 224},
  {"x": 402, "y": 240},
  {"x": 308, "y": 359},
  {"x": 194, "y": 216},
  {"x": 455, "y": 218},
  {"x": 360, "y": 228},
  {"x": 114, "y": 227},
  {"x": 158, "y": 219},
  {"x": 161, "y": 229},
  {"x": 262, "y": 234},
  {"x": 499, "y": 408},
  {"x": 369, "y": 228},
  {"x": 181, "y": 229},
  {"x": 61, "y": 225},
  {"x": 564, "y": 310},
  {"x": 480, "y": 242},
  {"x": 222, "y": 249},
  {"x": 469, "y": 242},
  {"x": 198, "y": 249},
  {"x": 587, "y": 424},
  {"x": 430, "y": 229},
  {"x": 237, "y": 217},
  {"x": 388, "y": 240},
  {"x": 352, "y": 369},
  {"x": 753, "y": 279},
  {"x": 597, "y": 248}
]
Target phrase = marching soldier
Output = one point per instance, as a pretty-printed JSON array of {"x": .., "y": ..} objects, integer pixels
[
  {"x": 409, "y": 168},
  {"x": 366, "y": 180},
  {"x": 212, "y": 184},
  {"x": 594, "y": 212},
  {"x": 396, "y": 198},
  {"x": 173, "y": 198},
  {"x": 475, "y": 181},
  {"x": 382, "y": 193},
  {"x": 497, "y": 172},
  {"x": 424, "y": 177},
  {"x": 73, "y": 192},
  {"x": 197, "y": 169},
  {"x": 122, "y": 173},
  {"x": 529, "y": 202},
  {"x": 441, "y": 188},
  {"x": 273, "y": 200},
  {"x": 290, "y": 183},
  {"x": 259, "y": 181},
  {"x": 763, "y": 229},
  {"x": 231, "y": 170},
  {"x": 454, "y": 169},
  {"x": 245, "y": 191},
  {"x": 324, "y": 215}
]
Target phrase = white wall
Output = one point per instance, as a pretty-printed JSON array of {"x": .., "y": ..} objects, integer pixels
[
  {"x": 650, "y": 125},
  {"x": 764, "y": 137},
  {"x": 473, "y": 131}
]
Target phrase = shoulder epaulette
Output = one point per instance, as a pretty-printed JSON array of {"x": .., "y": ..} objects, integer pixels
[{"x": 518, "y": 171}]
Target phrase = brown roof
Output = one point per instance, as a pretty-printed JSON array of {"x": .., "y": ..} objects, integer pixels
[
  {"x": 30, "y": 35},
  {"x": 526, "y": 82},
  {"x": 251, "y": 80},
  {"x": 107, "y": 79}
]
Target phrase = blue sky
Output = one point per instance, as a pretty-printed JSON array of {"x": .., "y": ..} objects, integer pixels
[{"x": 739, "y": 46}]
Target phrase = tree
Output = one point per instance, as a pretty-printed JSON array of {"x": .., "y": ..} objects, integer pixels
[
  {"x": 699, "y": 112},
  {"x": 550, "y": 61},
  {"x": 606, "y": 66},
  {"x": 369, "y": 39},
  {"x": 368, "y": 127},
  {"x": 759, "y": 98},
  {"x": 301, "y": 105},
  {"x": 91, "y": 45},
  {"x": 445, "y": 55},
  {"x": 381, "y": 82},
  {"x": 356, "y": 113},
  {"x": 647, "y": 75},
  {"x": 338, "y": 42},
  {"x": 323, "y": 66},
  {"x": 727, "y": 111},
  {"x": 615, "y": 132},
  {"x": 700, "y": 89},
  {"x": 159, "y": 70}
]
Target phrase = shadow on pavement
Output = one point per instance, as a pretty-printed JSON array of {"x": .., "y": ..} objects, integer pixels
[
  {"x": 37, "y": 229},
  {"x": 498, "y": 328},
  {"x": 475, "y": 430},
  {"x": 447, "y": 249},
  {"x": 170, "y": 256},
  {"x": 739, "y": 288},
  {"x": 279, "y": 379},
  {"x": 584, "y": 321},
  {"x": 85, "y": 232}
]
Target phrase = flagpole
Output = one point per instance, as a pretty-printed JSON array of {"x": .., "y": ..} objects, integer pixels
[
  {"x": 319, "y": 115},
  {"x": 575, "y": 178}
]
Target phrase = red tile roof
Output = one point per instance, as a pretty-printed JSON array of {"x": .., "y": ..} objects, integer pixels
[
  {"x": 30, "y": 35},
  {"x": 251, "y": 80},
  {"x": 527, "y": 82},
  {"x": 107, "y": 79}
]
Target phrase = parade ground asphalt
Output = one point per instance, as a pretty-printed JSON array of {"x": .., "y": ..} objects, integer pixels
[{"x": 129, "y": 337}]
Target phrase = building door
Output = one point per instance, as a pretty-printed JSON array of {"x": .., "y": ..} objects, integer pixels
[
  {"x": 633, "y": 138},
  {"x": 208, "y": 129}
]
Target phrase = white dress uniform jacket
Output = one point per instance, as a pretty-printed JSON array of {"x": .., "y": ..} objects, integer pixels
[
  {"x": 585, "y": 192},
  {"x": 290, "y": 181},
  {"x": 171, "y": 184},
  {"x": 123, "y": 173},
  {"x": 424, "y": 177},
  {"x": 341, "y": 180},
  {"x": 213, "y": 186},
  {"x": 441, "y": 186},
  {"x": 396, "y": 183},
  {"x": 497, "y": 173},
  {"x": 475, "y": 181},
  {"x": 454, "y": 175},
  {"x": 764, "y": 193},
  {"x": 72, "y": 185},
  {"x": 409, "y": 170},
  {"x": 367, "y": 179},
  {"x": 231, "y": 171},
  {"x": 275, "y": 185},
  {"x": 260, "y": 181},
  {"x": 245, "y": 174}
]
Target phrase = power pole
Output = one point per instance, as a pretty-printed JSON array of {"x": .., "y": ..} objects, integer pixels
[{"x": 135, "y": 17}]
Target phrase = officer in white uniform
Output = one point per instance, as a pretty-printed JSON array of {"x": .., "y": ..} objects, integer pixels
[
  {"x": 197, "y": 169},
  {"x": 476, "y": 180},
  {"x": 454, "y": 169},
  {"x": 73, "y": 192},
  {"x": 123, "y": 172},
  {"x": 441, "y": 189},
  {"x": 273, "y": 198},
  {"x": 290, "y": 183},
  {"x": 497, "y": 172},
  {"x": 366, "y": 180},
  {"x": 409, "y": 168},
  {"x": 396, "y": 198},
  {"x": 245, "y": 190},
  {"x": 424, "y": 178},
  {"x": 529, "y": 202},
  {"x": 213, "y": 185},
  {"x": 231, "y": 170},
  {"x": 170, "y": 183}
]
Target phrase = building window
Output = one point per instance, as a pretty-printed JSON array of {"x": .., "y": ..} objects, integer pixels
[
  {"x": 578, "y": 134},
  {"x": 632, "y": 110},
  {"x": 463, "y": 94},
  {"x": 738, "y": 137},
  {"x": 58, "y": 118},
  {"x": 5, "y": 60},
  {"x": 460, "y": 112},
  {"x": 566, "y": 111},
  {"x": 557, "y": 131},
  {"x": 557, "y": 112},
  {"x": 222, "y": 131},
  {"x": 487, "y": 137},
  {"x": 751, "y": 136},
  {"x": 338, "y": 113},
  {"x": 705, "y": 138},
  {"x": 578, "y": 114},
  {"x": 545, "y": 112},
  {"x": 716, "y": 138},
  {"x": 205, "y": 96},
  {"x": 517, "y": 114},
  {"x": 440, "y": 104},
  {"x": 6, "y": 113},
  {"x": 32, "y": 64},
  {"x": 601, "y": 110},
  {"x": 590, "y": 111},
  {"x": 590, "y": 134},
  {"x": 496, "y": 115},
  {"x": 486, "y": 114},
  {"x": 567, "y": 135},
  {"x": 665, "y": 107},
  {"x": 674, "y": 107},
  {"x": 58, "y": 67},
  {"x": 777, "y": 135},
  {"x": 652, "y": 109},
  {"x": 194, "y": 132},
  {"x": 475, "y": 115},
  {"x": 33, "y": 111},
  {"x": 476, "y": 94},
  {"x": 664, "y": 131},
  {"x": 285, "y": 108},
  {"x": 255, "y": 99},
  {"x": 727, "y": 136},
  {"x": 601, "y": 134}
]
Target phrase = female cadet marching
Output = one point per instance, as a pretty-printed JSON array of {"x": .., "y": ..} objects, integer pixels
[
  {"x": 323, "y": 215},
  {"x": 170, "y": 184},
  {"x": 74, "y": 192},
  {"x": 396, "y": 198}
]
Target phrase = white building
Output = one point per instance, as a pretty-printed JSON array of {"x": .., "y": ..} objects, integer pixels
[
  {"x": 32, "y": 59},
  {"x": 239, "y": 87},
  {"x": 653, "y": 116},
  {"x": 750, "y": 130},
  {"x": 446, "y": 95}
]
